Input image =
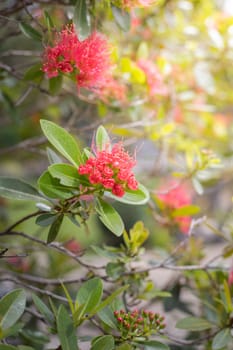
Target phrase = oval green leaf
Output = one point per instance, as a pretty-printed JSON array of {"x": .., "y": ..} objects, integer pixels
[
  {"x": 13, "y": 188},
  {"x": 89, "y": 294},
  {"x": 105, "y": 342},
  {"x": 54, "y": 229},
  {"x": 110, "y": 217},
  {"x": 52, "y": 188},
  {"x": 43, "y": 309},
  {"x": 62, "y": 141},
  {"x": 45, "y": 219},
  {"x": 12, "y": 306},
  {"x": 221, "y": 339},
  {"x": 66, "y": 173}
]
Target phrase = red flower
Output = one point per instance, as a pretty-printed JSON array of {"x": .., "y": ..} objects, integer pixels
[
  {"x": 153, "y": 77},
  {"x": 88, "y": 62},
  {"x": 111, "y": 170},
  {"x": 178, "y": 196}
]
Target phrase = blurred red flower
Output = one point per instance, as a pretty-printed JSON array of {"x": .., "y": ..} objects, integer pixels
[
  {"x": 154, "y": 77},
  {"x": 87, "y": 62},
  {"x": 174, "y": 198}
]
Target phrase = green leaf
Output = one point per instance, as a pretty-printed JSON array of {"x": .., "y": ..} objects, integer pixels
[
  {"x": 45, "y": 219},
  {"x": 30, "y": 32},
  {"x": 90, "y": 294},
  {"x": 153, "y": 345},
  {"x": 12, "y": 306},
  {"x": 48, "y": 20},
  {"x": 115, "y": 269},
  {"x": 66, "y": 173},
  {"x": 69, "y": 299},
  {"x": 107, "y": 314},
  {"x": 81, "y": 20},
  {"x": 55, "y": 84},
  {"x": 54, "y": 229},
  {"x": 109, "y": 299},
  {"x": 17, "y": 189},
  {"x": 105, "y": 342},
  {"x": 7, "y": 347},
  {"x": 186, "y": 210},
  {"x": 221, "y": 339},
  {"x": 53, "y": 157},
  {"x": 134, "y": 197},
  {"x": 12, "y": 331},
  {"x": 109, "y": 217},
  {"x": 62, "y": 141},
  {"x": 122, "y": 18},
  {"x": 34, "y": 336},
  {"x": 73, "y": 219},
  {"x": 66, "y": 330},
  {"x": 102, "y": 139},
  {"x": 34, "y": 73},
  {"x": 125, "y": 346},
  {"x": 43, "y": 309},
  {"x": 194, "y": 324},
  {"x": 227, "y": 297},
  {"x": 103, "y": 252},
  {"x": 52, "y": 188},
  {"x": 24, "y": 347}
]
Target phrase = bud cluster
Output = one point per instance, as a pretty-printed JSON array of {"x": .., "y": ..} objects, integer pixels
[{"x": 138, "y": 323}]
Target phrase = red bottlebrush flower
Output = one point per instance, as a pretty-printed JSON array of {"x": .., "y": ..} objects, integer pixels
[
  {"x": 177, "y": 197},
  {"x": 111, "y": 170},
  {"x": 88, "y": 62},
  {"x": 154, "y": 78}
]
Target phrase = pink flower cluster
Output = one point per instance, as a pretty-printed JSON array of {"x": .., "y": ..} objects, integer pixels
[
  {"x": 111, "y": 170},
  {"x": 178, "y": 196},
  {"x": 154, "y": 78},
  {"x": 88, "y": 61}
]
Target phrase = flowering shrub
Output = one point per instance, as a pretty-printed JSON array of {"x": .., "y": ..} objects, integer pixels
[{"x": 165, "y": 89}]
